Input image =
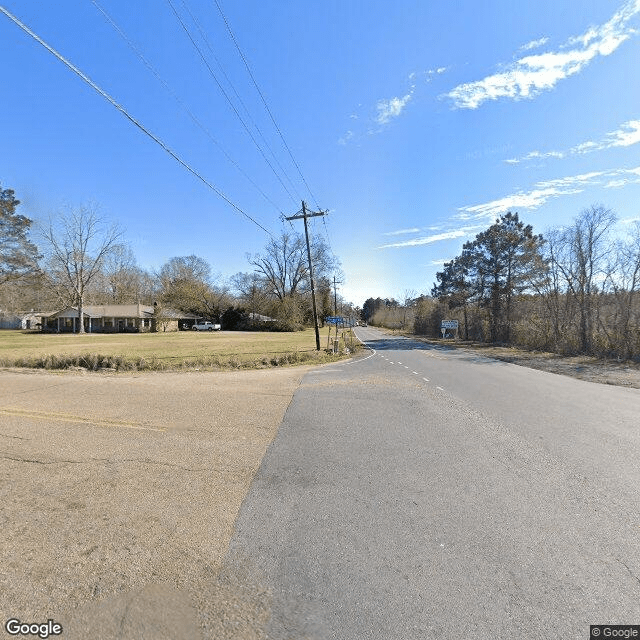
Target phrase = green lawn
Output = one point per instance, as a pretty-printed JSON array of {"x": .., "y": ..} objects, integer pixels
[{"x": 182, "y": 349}]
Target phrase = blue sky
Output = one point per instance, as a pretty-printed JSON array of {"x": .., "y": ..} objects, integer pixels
[{"x": 413, "y": 123}]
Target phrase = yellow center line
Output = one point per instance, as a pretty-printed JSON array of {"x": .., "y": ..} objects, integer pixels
[{"x": 67, "y": 417}]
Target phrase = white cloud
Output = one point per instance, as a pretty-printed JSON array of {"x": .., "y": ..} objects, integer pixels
[
  {"x": 534, "y": 44},
  {"x": 626, "y": 135},
  {"x": 345, "y": 138},
  {"x": 536, "y": 155},
  {"x": 532, "y": 74},
  {"x": 533, "y": 199},
  {"x": 428, "y": 74},
  {"x": 388, "y": 109},
  {"x": 438, "y": 237},
  {"x": 402, "y": 231},
  {"x": 548, "y": 189},
  {"x": 615, "y": 184}
]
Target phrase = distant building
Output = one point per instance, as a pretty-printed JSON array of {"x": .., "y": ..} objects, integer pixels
[
  {"x": 30, "y": 320},
  {"x": 259, "y": 318}
]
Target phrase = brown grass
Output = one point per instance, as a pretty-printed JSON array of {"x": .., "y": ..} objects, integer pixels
[{"x": 163, "y": 351}]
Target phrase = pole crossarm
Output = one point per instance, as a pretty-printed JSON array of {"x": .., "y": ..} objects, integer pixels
[{"x": 312, "y": 214}]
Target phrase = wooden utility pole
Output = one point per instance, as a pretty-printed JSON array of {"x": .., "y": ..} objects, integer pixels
[{"x": 304, "y": 216}]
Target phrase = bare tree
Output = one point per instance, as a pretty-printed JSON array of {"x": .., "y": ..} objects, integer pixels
[
  {"x": 283, "y": 266},
  {"x": 250, "y": 291},
  {"x": 120, "y": 275},
  {"x": 78, "y": 242},
  {"x": 625, "y": 286},
  {"x": 186, "y": 284},
  {"x": 408, "y": 302},
  {"x": 583, "y": 259}
]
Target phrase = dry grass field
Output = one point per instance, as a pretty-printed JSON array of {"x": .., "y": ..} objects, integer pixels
[{"x": 159, "y": 351}]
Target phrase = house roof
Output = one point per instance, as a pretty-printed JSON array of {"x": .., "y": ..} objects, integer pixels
[
  {"x": 108, "y": 311},
  {"x": 121, "y": 311}
]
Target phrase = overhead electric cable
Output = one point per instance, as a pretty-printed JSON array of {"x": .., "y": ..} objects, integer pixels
[
  {"x": 224, "y": 93},
  {"x": 129, "y": 117},
  {"x": 264, "y": 102},
  {"x": 326, "y": 232},
  {"x": 182, "y": 104},
  {"x": 205, "y": 39}
]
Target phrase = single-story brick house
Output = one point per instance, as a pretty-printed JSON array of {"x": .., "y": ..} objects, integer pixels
[{"x": 118, "y": 318}]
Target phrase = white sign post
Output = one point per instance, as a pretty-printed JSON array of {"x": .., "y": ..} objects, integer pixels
[{"x": 448, "y": 324}]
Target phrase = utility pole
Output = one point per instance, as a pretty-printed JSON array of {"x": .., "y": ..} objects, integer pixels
[
  {"x": 304, "y": 216},
  {"x": 335, "y": 298}
]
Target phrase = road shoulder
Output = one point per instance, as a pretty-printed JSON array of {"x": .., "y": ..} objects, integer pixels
[{"x": 120, "y": 495}]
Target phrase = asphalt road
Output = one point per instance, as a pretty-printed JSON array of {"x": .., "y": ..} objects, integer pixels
[{"x": 419, "y": 492}]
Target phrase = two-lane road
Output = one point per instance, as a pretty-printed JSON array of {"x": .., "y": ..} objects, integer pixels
[{"x": 419, "y": 492}]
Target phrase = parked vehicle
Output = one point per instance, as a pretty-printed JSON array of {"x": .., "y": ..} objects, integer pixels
[{"x": 206, "y": 326}]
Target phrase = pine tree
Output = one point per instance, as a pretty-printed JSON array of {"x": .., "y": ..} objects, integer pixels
[
  {"x": 18, "y": 255},
  {"x": 505, "y": 261}
]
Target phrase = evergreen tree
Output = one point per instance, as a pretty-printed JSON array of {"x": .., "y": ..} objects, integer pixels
[
  {"x": 502, "y": 263},
  {"x": 18, "y": 255},
  {"x": 505, "y": 261},
  {"x": 455, "y": 286}
]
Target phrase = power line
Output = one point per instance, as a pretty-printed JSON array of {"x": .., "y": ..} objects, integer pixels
[
  {"x": 264, "y": 102},
  {"x": 224, "y": 93},
  {"x": 204, "y": 37},
  {"x": 129, "y": 117},
  {"x": 182, "y": 104}
]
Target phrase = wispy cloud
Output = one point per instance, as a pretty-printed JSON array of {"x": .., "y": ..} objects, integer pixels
[
  {"x": 345, "y": 138},
  {"x": 429, "y": 74},
  {"x": 546, "y": 190},
  {"x": 460, "y": 232},
  {"x": 536, "y": 155},
  {"x": 401, "y": 232},
  {"x": 387, "y": 109},
  {"x": 534, "y": 44},
  {"x": 626, "y": 135},
  {"x": 532, "y": 74},
  {"x": 392, "y": 108}
]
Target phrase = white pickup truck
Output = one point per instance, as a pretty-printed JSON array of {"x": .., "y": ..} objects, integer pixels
[{"x": 206, "y": 326}]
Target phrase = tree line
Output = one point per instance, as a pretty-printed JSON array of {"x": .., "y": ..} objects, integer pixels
[
  {"x": 79, "y": 258},
  {"x": 574, "y": 290}
]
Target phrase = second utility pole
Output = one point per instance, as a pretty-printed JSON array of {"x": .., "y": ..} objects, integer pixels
[{"x": 304, "y": 216}]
